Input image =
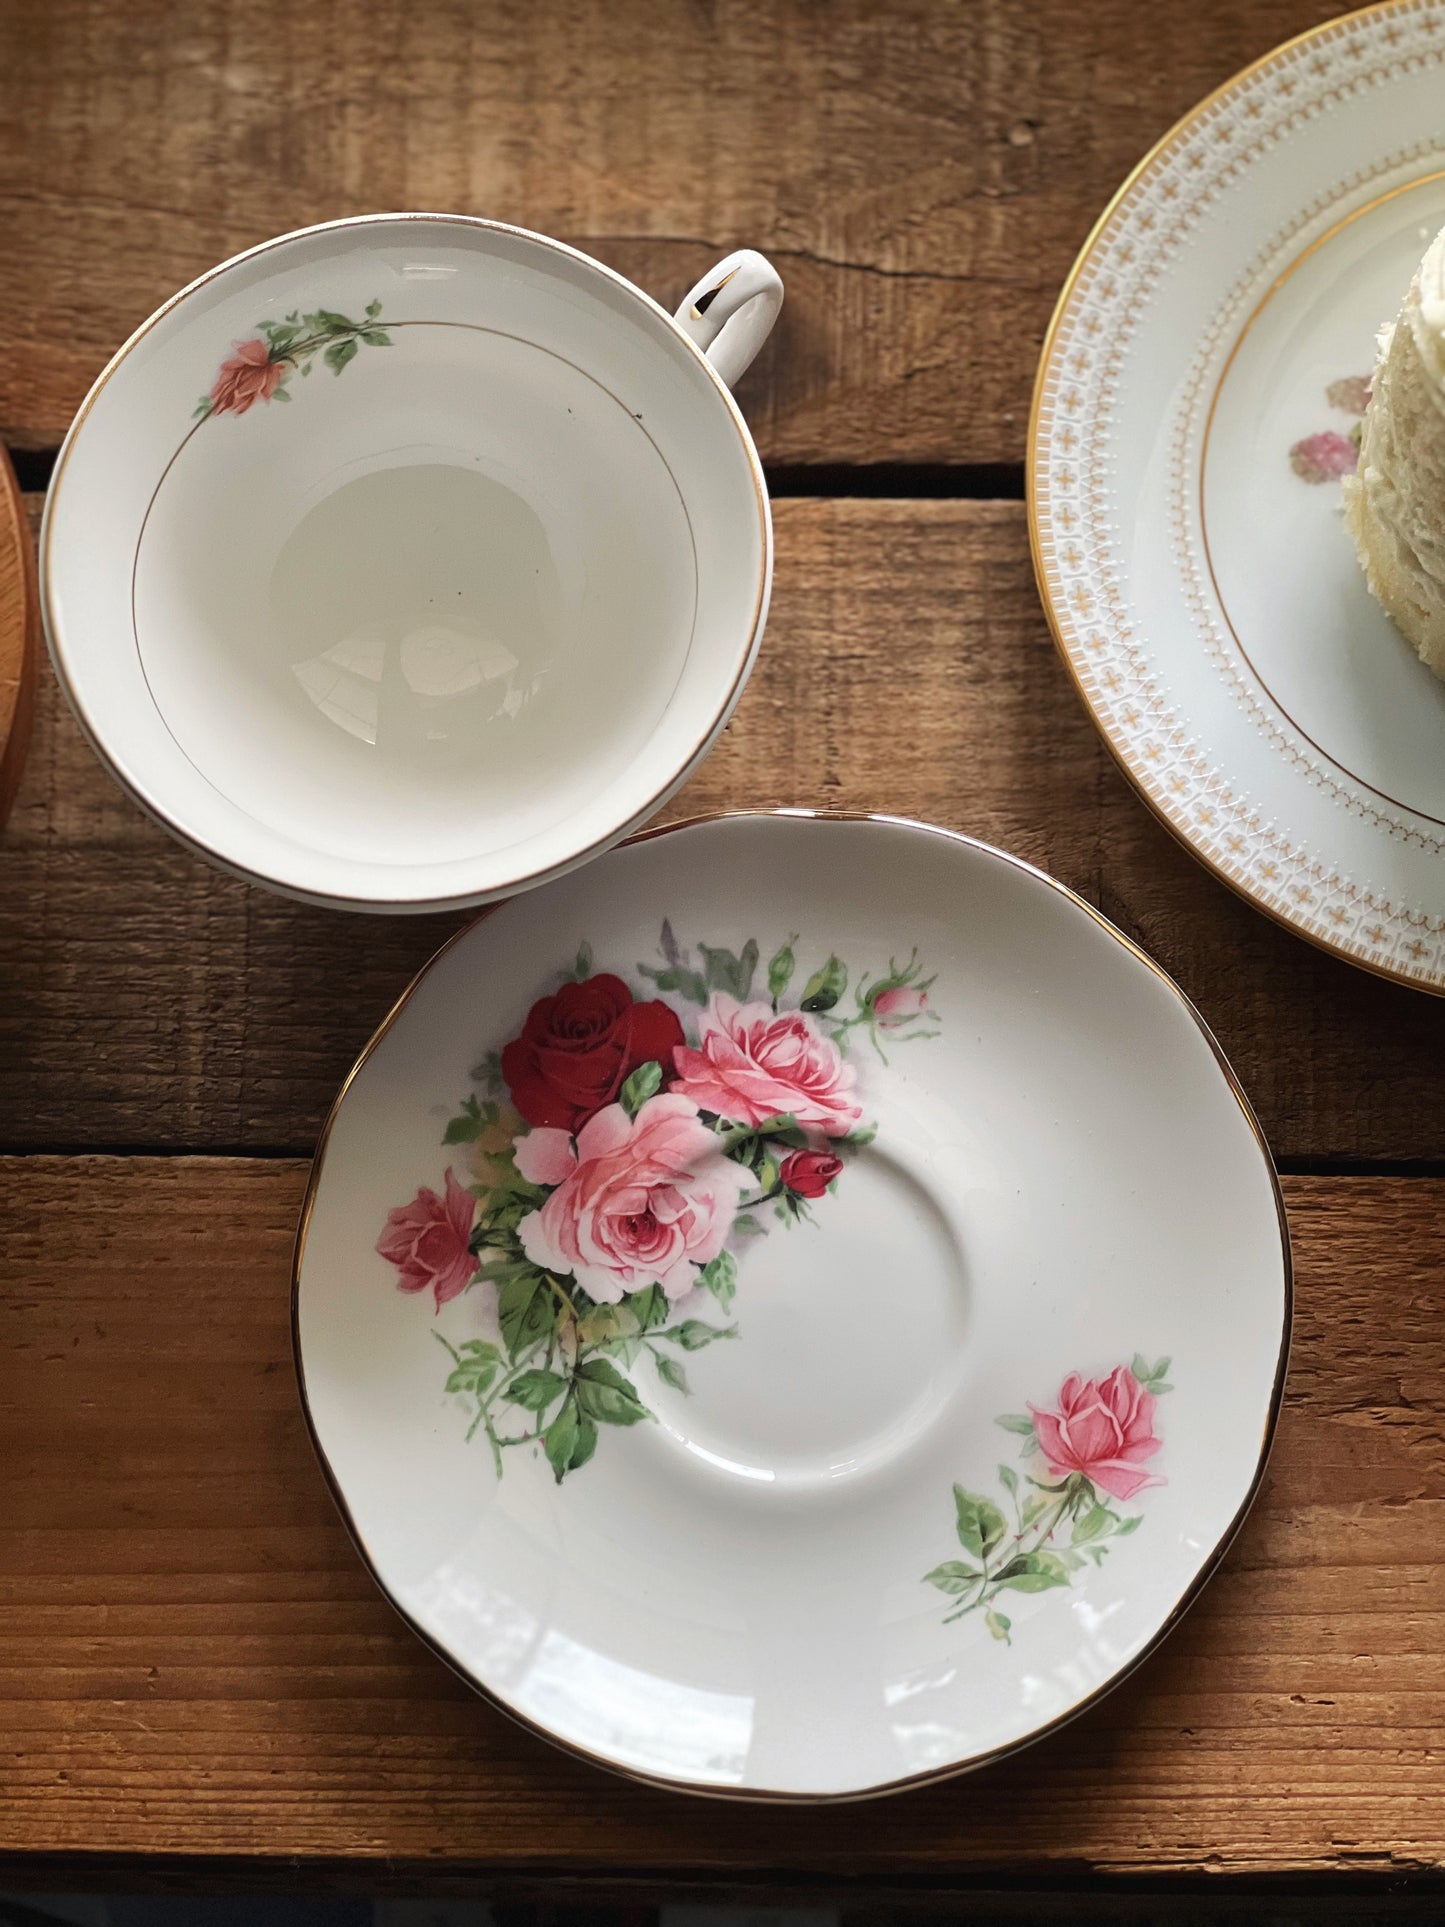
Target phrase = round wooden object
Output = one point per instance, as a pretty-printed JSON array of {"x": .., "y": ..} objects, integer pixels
[{"x": 19, "y": 634}]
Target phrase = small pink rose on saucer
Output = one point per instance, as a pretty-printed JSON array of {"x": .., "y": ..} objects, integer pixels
[
  {"x": 754, "y": 1063},
  {"x": 427, "y": 1241},
  {"x": 899, "y": 1006},
  {"x": 1103, "y": 1429}
]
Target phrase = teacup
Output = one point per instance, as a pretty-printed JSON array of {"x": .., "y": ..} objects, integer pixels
[{"x": 408, "y": 561}]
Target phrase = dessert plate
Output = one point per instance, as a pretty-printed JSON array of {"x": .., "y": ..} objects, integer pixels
[
  {"x": 794, "y": 1310},
  {"x": 1198, "y": 398}
]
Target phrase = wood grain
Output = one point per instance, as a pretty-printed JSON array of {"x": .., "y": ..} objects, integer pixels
[
  {"x": 150, "y": 1001},
  {"x": 19, "y": 633},
  {"x": 922, "y": 173},
  {"x": 192, "y": 1660}
]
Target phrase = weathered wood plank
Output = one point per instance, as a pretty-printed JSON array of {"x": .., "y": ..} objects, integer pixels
[
  {"x": 922, "y": 173},
  {"x": 149, "y": 1000},
  {"x": 192, "y": 1661}
]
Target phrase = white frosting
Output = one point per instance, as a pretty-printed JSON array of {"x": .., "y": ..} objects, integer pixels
[{"x": 1395, "y": 503}]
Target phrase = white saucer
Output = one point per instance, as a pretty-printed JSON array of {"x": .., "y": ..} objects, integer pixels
[
  {"x": 789, "y": 1531},
  {"x": 1202, "y": 371}
]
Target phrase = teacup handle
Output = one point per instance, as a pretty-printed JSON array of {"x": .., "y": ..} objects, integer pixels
[{"x": 731, "y": 311}]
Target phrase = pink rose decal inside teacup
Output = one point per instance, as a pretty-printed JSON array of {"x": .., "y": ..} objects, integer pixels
[{"x": 260, "y": 369}]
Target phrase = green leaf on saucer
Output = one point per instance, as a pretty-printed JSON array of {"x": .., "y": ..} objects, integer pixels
[
  {"x": 1151, "y": 1377},
  {"x": 586, "y": 1443},
  {"x": 527, "y": 1311},
  {"x": 608, "y": 1321},
  {"x": 645, "y": 1082},
  {"x": 781, "y": 966},
  {"x": 470, "y": 1122},
  {"x": 1096, "y": 1520},
  {"x": 535, "y": 1391},
  {"x": 825, "y": 986},
  {"x": 724, "y": 971},
  {"x": 477, "y": 1363},
  {"x": 692, "y": 1334},
  {"x": 670, "y": 1371},
  {"x": 560, "y": 1440},
  {"x": 1034, "y": 1572},
  {"x": 605, "y": 1396},
  {"x": 953, "y": 1576},
  {"x": 980, "y": 1523},
  {"x": 680, "y": 978},
  {"x": 649, "y": 1307},
  {"x": 720, "y": 1278}
]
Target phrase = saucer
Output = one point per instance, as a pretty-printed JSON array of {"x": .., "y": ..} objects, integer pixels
[
  {"x": 1198, "y": 398},
  {"x": 795, "y": 1310}
]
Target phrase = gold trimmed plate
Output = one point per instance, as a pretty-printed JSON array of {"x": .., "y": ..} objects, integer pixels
[
  {"x": 1198, "y": 399},
  {"x": 795, "y": 1310}
]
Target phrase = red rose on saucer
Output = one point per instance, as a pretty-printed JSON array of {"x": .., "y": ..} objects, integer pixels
[
  {"x": 578, "y": 1048},
  {"x": 809, "y": 1173}
]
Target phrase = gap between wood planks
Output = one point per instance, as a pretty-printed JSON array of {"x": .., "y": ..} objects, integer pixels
[
  {"x": 882, "y": 481},
  {"x": 1287, "y": 1167},
  {"x": 874, "y": 481}
]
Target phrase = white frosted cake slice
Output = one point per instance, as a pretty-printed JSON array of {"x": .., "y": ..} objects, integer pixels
[{"x": 1395, "y": 501}]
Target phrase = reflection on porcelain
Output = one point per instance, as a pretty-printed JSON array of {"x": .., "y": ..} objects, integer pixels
[
  {"x": 443, "y": 637},
  {"x": 449, "y": 579},
  {"x": 482, "y": 1620},
  {"x": 1201, "y": 367},
  {"x": 636, "y": 1717},
  {"x": 756, "y": 1527}
]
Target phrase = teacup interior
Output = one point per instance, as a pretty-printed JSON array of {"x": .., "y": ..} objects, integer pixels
[
  {"x": 406, "y": 561},
  {"x": 452, "y": 585}
]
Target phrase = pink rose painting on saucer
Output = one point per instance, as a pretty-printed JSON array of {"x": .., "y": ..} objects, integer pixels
[
  {"x": 1092, "y": 1446},
  {"x": 620, "y": 1152}
]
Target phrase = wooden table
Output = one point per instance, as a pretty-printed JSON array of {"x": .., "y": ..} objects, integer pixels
[{"x": 198, "y": 1678}]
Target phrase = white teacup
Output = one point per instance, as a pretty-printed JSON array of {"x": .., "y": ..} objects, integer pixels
[{"x": 408, "y": 561}]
